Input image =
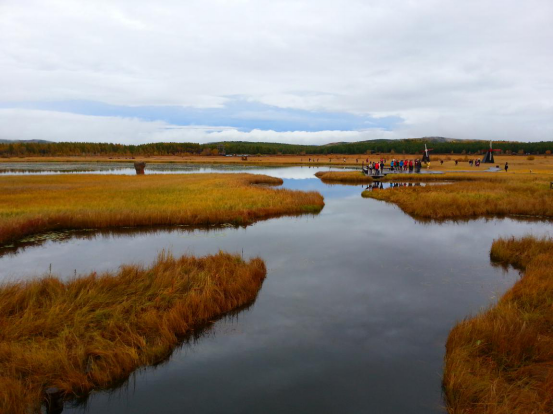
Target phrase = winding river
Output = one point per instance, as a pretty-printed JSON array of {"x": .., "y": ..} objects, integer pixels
[{"x": 353, "y": 315}]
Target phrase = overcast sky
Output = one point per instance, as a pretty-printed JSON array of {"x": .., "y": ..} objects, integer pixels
[{"x": 285, "y": 71}]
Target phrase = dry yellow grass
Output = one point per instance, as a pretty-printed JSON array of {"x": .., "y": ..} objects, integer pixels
[
  {"x": 472, "y": 195},
  {"x": 96, "y": 329},
  {"x": 501, "y": 361},
  {"x": 32, "y": 204},
  {"x": 346, "y": 177},
  {"x": 541, "y": 163}
]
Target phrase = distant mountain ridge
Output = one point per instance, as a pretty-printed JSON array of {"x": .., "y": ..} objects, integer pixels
[
  {"x": 3, "y": 141},
  {"x": 438, "y": 145}
]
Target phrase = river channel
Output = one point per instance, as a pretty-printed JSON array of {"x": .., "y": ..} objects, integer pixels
[{"x": 353, "y": 315}]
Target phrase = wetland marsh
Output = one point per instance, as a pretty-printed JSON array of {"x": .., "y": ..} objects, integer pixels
[{"x": 352, "y": 317}]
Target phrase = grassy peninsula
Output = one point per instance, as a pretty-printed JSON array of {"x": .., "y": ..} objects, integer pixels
[
  {"x": 33, "y": 204},
  {"x": 471, "y": 195},
  {"x": 96, "y": 329},
  {"x": 343, "y": 177}
]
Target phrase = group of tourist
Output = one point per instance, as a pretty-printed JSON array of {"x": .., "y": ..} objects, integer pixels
[{"x": 377, "y": 167}]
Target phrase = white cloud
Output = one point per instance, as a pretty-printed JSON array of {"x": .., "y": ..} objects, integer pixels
[
  {"x": 60, "y": 126},
  {"x": 477, "y": 69}
]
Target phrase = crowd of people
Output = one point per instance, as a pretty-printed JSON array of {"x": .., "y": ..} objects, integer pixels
[{"x": 398, "y": 166}]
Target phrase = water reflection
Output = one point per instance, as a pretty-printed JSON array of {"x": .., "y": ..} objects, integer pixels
[
  {"x": 72, "y": 236},
  {"x": 382, "y": 185},
  {"x": 54, "y": 402},
  {"x": 352, "y": 317},
  {"x": 287, "y": 172}
]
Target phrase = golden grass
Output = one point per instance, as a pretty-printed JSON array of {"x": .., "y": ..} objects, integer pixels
[
  {"x": 501, "y": 361},
  {"x": 343, "y": 177},
  {"x": 96, "y": 329},
  {"x": 470, "y": 196},
  {"x": 32, "y": 204},
  {"x": 446, "y": 177},
  {"x": 541, "y": 163}
]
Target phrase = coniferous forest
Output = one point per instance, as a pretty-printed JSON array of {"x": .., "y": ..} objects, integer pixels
[{"x": 407, "y": 146}]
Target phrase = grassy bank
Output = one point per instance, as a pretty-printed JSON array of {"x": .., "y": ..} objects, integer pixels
[
  {"x": 32, "y": 204},
  {"x": 355, "y": 177},
  {"x": 539, "y": 164},
  {"x": 96, "y": 329},
  {"x": 501, "y": 361},
  {"x": 471, "y": 196}
]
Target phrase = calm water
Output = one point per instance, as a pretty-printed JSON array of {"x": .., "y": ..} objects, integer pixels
[
  {"x": 353, "y": 315},
  {"x": 23, "y": 168}
]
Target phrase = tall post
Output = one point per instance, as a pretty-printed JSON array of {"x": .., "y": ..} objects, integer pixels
[{"x": 139, "y": 167}]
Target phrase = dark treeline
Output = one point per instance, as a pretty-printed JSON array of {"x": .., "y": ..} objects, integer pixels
[
  {"x": 407, "y": 146},
  {"x": 26, "y": 149}
]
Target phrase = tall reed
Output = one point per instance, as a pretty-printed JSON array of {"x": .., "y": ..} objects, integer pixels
[
  {"x": 501, "y": 361},
  {"x": 96, "y": 329}
]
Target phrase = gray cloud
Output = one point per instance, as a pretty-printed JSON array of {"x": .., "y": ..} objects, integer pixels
[{"x": 472, "y": 69}]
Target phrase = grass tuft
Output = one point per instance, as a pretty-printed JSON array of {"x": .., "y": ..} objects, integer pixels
[
  {"x": 95, "y": 330},
  {"x": 501, "y": 361}
]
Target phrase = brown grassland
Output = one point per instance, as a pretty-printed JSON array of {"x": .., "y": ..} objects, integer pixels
[
  {"x": 540, "y": 164},
  {"x": 33, "y": 204},
  {"x": 472, "y": 195},
  {"x": 354, "y": 177},
  {"x": 501, "y": 361},
  {"x": 94, "y": 330}
]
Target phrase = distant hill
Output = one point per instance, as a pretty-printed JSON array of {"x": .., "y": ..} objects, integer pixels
[
  {"x": 23, "y": 141},
  {"x": 438, "y": 145}
]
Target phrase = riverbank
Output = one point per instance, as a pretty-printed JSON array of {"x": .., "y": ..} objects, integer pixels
[
  {"x": 472, "y": 195},
  {"x": 33, "y": 204},
  {"x": 344, "y": 177},
  {"x": 501, "y": 361},
  {"x": 95, "y": 330},
  {"x": 518, "y": 163}
]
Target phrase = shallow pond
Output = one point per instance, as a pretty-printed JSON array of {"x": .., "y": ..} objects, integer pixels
[{"x": 353, "y": 315}]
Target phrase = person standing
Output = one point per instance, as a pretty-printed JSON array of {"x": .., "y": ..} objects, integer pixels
[{"x": 506, "y": 166}]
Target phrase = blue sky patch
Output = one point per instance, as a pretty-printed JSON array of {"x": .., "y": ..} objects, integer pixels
[{"x": 239, "y": 113}]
